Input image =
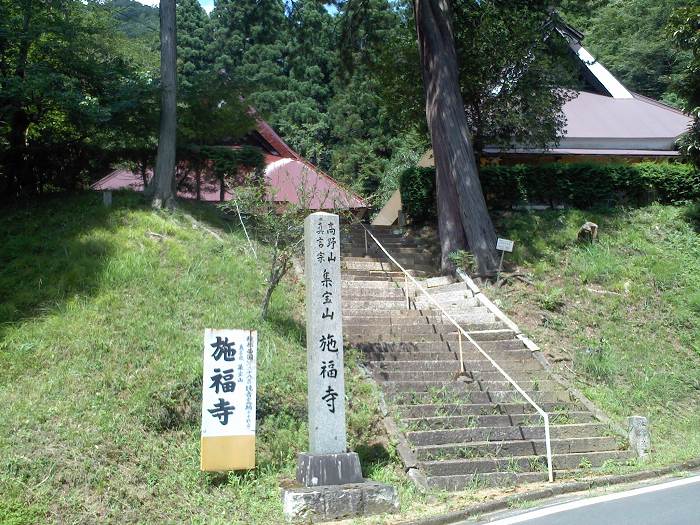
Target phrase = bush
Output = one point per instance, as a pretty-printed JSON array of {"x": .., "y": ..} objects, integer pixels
[
  {"x": 418, "y": 194},
  {"x": 581, "y": 185}
]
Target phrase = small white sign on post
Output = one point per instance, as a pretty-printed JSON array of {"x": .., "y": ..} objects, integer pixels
[
  {"x": 228, "y": 400},
  {"x": 504, "y": 245}
]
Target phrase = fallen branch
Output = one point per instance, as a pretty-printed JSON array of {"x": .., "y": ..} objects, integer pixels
[
  {"x": 519, "y": 276},
  {"x": 603, "y": 292}
]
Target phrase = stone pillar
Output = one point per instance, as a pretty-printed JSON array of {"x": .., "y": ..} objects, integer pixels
[
  {"x": 638, "y": 431},
  {"x": 328, "y": 462},
  {"x": 107, "y": 198},
  {"x": 331, "y": 477}
]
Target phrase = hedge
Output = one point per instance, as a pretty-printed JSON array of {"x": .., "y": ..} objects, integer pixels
[{"x": 580, "y": 185}]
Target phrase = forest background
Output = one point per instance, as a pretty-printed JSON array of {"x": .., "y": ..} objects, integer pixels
[{"x": 340, "y": 81}]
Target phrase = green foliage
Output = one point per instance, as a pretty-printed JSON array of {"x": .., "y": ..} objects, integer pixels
[
  {"x": 632, "y": 342},
  {"x": 685, "y": 27},
  {"x": 193, "y": 41},
  {"x": 418, "y": 194},
  {"x": 587, "y": 185},
  {"x": 69, "y": 90},
  {"x": 580, "y": 185},
  {"x": 463, "y": 260},
  {"x": 630, "y": 38},
  {"x": 509, "y": 59},
  {"x": 692, "y": 215}
]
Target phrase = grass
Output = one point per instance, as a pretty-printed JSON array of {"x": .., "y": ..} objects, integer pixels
[
  {"x": 102, "y": 314},
  {"x": 621, "y": 317}
]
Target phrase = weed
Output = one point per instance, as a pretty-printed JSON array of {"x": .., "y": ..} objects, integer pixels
[
  {"x": 513, "y": 466},
  {"x": 585, "y": 463}
]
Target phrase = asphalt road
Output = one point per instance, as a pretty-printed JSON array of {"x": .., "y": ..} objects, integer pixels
[{"x": 672, "y": 503}]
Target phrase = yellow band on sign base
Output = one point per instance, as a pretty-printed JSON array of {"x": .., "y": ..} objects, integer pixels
[{"x": 227, "y": 453}]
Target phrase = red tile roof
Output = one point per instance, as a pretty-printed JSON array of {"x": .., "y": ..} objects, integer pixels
[{"x": 289, "y": 176}]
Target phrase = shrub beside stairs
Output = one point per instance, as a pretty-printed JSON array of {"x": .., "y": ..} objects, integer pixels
[{"x": 463, "y": 429}]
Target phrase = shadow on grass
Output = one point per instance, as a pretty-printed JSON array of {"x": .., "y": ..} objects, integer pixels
[
  {"x": 48, "y": 253},
  {"x": 372, "y": 456}
]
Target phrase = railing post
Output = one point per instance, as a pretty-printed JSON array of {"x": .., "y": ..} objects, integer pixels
[
  {"x": 366, "y": 250},
  {"x": 461, "y": 356},
  {"x": 549, "y": 447},
  {"x": 405, "y": 287}
]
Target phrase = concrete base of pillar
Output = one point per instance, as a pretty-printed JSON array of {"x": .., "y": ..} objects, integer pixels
[
  {"x": 325, "y": 503},
  {"x": 315, "y": 470}
]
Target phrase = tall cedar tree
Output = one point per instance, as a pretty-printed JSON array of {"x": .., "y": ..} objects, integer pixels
[
  {"x": 459, "y": 193},
  {"x": 162, "y": 188},
  {"x": 193, "y": 41}
]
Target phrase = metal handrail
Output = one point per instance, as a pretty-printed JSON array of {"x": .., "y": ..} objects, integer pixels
[{"x": 464, "y": 333}]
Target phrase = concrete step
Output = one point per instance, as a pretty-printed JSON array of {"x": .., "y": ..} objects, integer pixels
[
  {"x": 445, "y": 288},
  {"x": 447, "y": 375},
  {"x": 466, "y": 435},
  {"x": 485, "y": 368},
  {"x": 378, "y": 285},
  {"x": 479, "y": 409},
  {"x": 369, "y": 265},
  {"x": 466, "y": 384},
  {"x": 500, "y": 334},
  {"x": 505, "y": 358},
  {"x": 442, "y": 298},
  {"x": 470, "y": 325},
  {"x": 425, "y": 328},
  {"x": 486, "y": 479},
  {"x": 406, "y": 260},
  {"x": 448, "y": 396},
  {"x": 511, "y": 346},
  {"x": 365, "y": 316},
  {"x": 500, "y": 420},
  {"x": 395, "y": 249},
  {"x": 438, "y": 281},
  {"x": 371, "y": 294},
  {"x": 470, "y": 365},
  {"x": 517, "y": 447},
  {"x": 456, "y": 467}
]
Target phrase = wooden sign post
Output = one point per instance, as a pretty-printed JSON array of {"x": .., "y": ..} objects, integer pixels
[
  {"x": 228, "y": 400},
  {"x": 504, "y": 245}
]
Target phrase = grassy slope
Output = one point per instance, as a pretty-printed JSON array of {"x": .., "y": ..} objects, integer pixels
[
  {"x": 101, "y": 318},
  {"x": 635, "y": 349}
]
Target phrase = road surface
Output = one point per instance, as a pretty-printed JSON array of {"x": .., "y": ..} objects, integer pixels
[{"x": 671, "y": 503}]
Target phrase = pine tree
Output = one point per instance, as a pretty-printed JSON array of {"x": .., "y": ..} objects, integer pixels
[
  {"x": 193, "y": 41},
  {"x": 248, "y": 44}
]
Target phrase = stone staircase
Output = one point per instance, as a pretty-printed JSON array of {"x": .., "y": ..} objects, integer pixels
[{"x": 463, "y": 429}]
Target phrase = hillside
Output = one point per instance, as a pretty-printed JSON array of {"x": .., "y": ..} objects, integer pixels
[
  {"x": 620, "y": 317},
  {"x": 101, "y": 320}
]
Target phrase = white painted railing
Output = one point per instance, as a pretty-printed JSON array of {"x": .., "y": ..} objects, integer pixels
[{"x": 464, "y": 333}]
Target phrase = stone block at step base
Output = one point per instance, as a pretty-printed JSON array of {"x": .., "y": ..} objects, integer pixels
[
  {"x": 328, "y": 469},
  {"x": 324, "y": 503}
]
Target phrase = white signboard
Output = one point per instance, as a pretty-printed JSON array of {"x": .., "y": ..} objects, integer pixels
[
  {"x": 228, "y": 384},
  {"x": 504, "y": 245}
]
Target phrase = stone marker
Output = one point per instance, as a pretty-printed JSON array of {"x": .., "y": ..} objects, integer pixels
[
  {"x": 638, "y": 431},
  {"x": 328, "y": 461},
  {"x": 331, "y": 477}
]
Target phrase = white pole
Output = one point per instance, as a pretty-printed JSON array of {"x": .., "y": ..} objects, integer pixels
[{"x": 549, "y": 447}]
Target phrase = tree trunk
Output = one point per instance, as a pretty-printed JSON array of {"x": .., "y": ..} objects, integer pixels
[
  {"x": 16, "y": 157},
  {"x": 163, "y": 184},
  {"x": 450, "y": 228},
  {"x": 452, "y": 148}
]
